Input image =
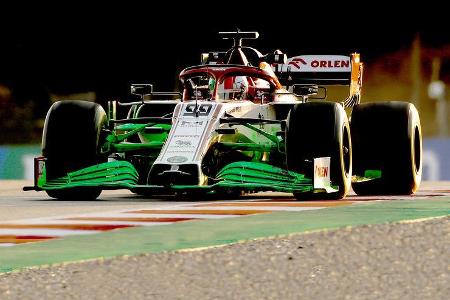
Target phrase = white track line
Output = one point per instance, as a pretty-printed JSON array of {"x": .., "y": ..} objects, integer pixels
[
  {"x": 44, "y": 232},
  {"x": 127, "y": 215},
  {"x": 81, "y": 222},
  {"x": 124, "y": 215}
]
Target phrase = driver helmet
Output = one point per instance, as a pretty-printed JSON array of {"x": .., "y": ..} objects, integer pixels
[{"x": 233, "y": 88}]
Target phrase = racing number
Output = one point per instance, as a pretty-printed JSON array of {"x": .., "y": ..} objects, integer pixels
[{"x": 193, "y": 110}]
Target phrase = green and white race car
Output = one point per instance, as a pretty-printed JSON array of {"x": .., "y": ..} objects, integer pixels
[{"x": 245, "y": 122}]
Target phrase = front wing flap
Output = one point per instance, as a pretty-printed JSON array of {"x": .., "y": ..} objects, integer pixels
[
  {"x": 244, "y": 176},
  {"x": 115, "y": 174}
]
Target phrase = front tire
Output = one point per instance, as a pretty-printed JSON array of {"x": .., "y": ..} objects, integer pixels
[
  {"x": 320, "y": 129},
  {"x": 75, "y": 194},
  {"x": 70, "y": 142}
]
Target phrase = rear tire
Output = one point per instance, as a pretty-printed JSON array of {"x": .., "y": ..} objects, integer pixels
[
  {"x": 70, "y": 142},
  {"x": 320, "y": 129},
  {"x": 387, "y": 137}
]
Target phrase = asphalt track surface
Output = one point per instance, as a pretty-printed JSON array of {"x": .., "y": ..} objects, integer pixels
[
  {"x": 401, "y": 261},
  {"x": 390, "y": 261}
]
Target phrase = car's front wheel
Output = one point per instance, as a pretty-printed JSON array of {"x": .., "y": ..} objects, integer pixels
[
  {"x": 71, "y": 141},
  {"x": 320, "y": 129}
]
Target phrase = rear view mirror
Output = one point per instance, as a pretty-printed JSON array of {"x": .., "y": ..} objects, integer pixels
[
  {"x": 276, "y": 58},
  {"x": 309, "y": 90},
  {"x": 141, "y": 89},
  {"x": 305, "y": 89},
  {"x": 212, "y": 58}
]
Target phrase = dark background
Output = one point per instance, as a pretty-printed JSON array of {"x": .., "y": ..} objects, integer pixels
[
  {"x": 76, "y": 49},
  {"x": 73, "y": 48}
]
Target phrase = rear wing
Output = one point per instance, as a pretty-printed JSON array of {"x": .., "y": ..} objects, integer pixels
[{"x": 323, "y": 70}]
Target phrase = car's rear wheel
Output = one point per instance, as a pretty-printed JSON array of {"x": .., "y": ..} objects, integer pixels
[
  {"x": 320, "y": 129},
  {"x": 387, "y": 142},
  {"x": 70, "y": 142}
]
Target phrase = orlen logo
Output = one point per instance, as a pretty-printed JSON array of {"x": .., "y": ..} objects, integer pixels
[
  {"x": 330, "y": 63},
  {"x": 318, "y": 63},
  {"x": 322, "y": 171},
  {"x": 297, "y": 61}
]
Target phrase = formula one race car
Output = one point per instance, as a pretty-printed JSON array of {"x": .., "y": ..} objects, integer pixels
[{"x": 245, "y": 122}]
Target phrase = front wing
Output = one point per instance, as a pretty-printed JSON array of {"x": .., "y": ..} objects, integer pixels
[{"x": 238, "y": 176}]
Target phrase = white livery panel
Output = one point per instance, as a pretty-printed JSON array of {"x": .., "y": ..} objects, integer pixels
[{"x": 317, "y": 63}]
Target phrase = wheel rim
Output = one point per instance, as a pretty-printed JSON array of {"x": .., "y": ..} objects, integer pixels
[
  {"x": 346, "y": 150},
  {"x": 417, "y": 150}
]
